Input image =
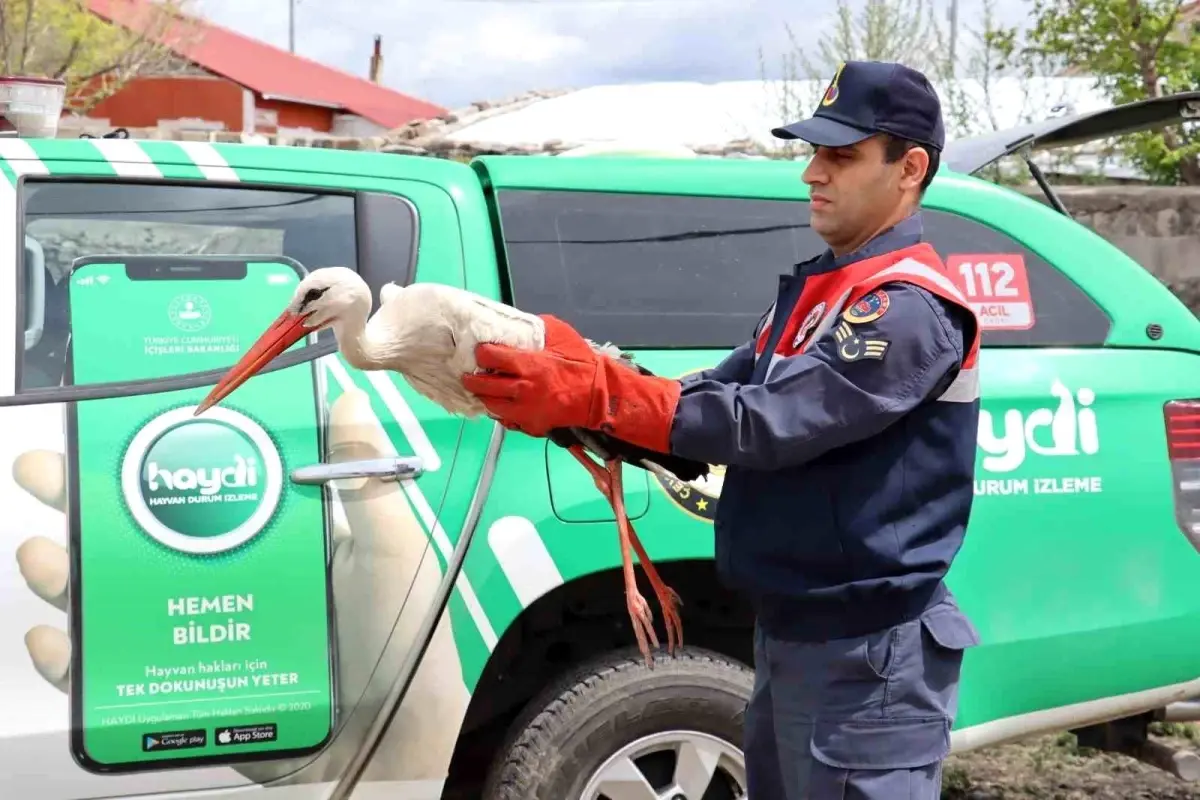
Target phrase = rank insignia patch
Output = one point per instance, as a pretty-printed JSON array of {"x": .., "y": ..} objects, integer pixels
[
  {"x": 868, "y": 308},
  {"x": 852, "y": 347}
]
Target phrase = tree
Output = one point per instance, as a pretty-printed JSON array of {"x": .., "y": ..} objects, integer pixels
[
  {"x": 905, "y": 31},
  {"x": 64, "y": 39},
  {"x": 1134, "y": 51},
  {"x": 885, "y": 30},
  {"x": 909, "y": 32}
]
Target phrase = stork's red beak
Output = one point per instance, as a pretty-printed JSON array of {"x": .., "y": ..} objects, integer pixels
[{"x": 284, "y": 332}]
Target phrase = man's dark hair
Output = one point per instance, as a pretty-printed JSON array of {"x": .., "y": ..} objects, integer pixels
[{"x": 895, "y": 148}]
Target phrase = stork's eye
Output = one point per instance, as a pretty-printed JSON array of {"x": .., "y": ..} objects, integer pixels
[{"x": 312, "y": 295}]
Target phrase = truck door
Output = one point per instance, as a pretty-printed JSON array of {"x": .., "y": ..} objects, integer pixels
[
  {"x": 144, "y": 625},
  {"x": 1073, "y": 546}
]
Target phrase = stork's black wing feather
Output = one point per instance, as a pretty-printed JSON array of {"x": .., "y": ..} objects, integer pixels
[
  {"x": 564, "y": 437},
  {"x": 683, "y": 468}
]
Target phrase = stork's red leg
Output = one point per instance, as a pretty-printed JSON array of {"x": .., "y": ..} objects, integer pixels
[
  {"x": 639, "y": 609},
  {"x": 668, "y": 599}
]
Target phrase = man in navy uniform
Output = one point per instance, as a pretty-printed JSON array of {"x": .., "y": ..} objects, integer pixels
[{"x": 848, "y": 427}]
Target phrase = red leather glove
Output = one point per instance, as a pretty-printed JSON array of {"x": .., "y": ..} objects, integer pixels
[{"x": 568, "y": 384}]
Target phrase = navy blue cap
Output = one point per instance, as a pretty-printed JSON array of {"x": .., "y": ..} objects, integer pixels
[{"x": 869, "y": 97}]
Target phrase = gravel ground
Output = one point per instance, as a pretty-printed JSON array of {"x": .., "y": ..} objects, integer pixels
[{"x": 1055, "y": 768}]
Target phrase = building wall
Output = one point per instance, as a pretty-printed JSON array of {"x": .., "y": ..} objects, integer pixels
[
  {"x": 273, "y": 116},
  {"x": 221, "y": 103},
  {"x": 353, "y": 125},
  {"x": 146, "y": 100}
]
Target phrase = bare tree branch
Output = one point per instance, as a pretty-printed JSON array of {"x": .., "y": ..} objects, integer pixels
[{"x": 29, "y": 4}]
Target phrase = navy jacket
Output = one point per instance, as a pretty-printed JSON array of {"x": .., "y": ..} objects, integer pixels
[{"x": 847, "y": 489}]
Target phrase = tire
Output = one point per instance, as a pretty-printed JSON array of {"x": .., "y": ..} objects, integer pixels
[{"x": 567, "y": 733}]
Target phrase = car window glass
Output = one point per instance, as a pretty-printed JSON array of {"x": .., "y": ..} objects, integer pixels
[
  {"x": 668, "y": 271},
  {"x": 1063, "y": 313},
  {"x": 652, "y": 271},
  {"x": 67, "y": 221}
]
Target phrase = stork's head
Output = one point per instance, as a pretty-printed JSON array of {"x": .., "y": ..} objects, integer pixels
[{"x": 322, "y": 299}]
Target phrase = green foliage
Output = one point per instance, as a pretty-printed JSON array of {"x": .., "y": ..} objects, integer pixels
[{"x": 1134, "y": 51}]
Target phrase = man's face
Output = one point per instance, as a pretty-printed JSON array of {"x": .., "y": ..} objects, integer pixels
[{"x": 855, "y": 193}]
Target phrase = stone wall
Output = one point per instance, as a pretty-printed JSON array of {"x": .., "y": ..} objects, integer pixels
[{"x": 1158, "y": 226}]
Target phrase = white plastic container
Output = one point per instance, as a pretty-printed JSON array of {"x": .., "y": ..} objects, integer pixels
[{"x": 31, "y": 107}]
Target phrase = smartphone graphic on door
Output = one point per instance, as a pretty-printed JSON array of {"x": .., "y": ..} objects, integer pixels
[{"x": 201, "y": 610}]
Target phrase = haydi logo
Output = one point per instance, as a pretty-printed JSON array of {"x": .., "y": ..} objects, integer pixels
[
  {"x": 202, "y": 485},
  {"x": 1070, "y": 428},
  {"x": 243, "y": 474}
]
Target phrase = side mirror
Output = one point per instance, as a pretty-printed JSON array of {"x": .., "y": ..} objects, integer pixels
[{"x": 35, "y": 292}]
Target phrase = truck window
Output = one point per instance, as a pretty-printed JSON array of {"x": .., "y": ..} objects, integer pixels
[
  {"x": 674, "y": 271},
  {"x": 69, "y": 220},
  {"x": 652, "y": 271},
  {"x": 1063, "y": 314}
]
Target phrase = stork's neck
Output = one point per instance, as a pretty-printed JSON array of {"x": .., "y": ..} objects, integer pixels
[{"x": 354, "y": 339}]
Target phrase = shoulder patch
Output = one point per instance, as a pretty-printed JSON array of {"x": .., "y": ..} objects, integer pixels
[
  {"x": 852, "y": 347},
  {"x": 867, "y": 308}
]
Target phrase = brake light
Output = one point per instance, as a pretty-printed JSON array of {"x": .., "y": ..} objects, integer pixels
[{"x": 1183, "y": 449}]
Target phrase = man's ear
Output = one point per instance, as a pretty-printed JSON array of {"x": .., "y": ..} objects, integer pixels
[{"x": 914, "y": 166}]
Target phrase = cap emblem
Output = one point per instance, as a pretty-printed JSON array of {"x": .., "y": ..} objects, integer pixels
[{"x": 831, "y": 93}]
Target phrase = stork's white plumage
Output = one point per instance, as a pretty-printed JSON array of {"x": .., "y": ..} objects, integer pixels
[{"x": 428, "y": 332}]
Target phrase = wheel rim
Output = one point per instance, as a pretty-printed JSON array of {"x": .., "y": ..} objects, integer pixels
[{"x": 671, "y": 765}]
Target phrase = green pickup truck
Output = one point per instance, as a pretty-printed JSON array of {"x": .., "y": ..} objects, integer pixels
[{"x": 332, "y": 586}]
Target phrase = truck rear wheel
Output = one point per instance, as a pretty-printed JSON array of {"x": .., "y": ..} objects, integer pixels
[{"x": 674, "y": 731}]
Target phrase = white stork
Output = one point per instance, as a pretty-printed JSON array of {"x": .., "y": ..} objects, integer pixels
[{"x": 427, "y": 332}]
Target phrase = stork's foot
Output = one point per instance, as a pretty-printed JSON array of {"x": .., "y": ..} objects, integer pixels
[
  {"x": 608, "y": 481},
  {"x": 643, "y": 623},
  {"x": 668, "y": 599}
]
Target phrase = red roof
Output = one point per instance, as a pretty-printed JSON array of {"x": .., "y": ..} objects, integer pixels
[{"x": 271, "y": 72}]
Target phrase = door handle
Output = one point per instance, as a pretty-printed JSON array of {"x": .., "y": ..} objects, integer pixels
[{"x": 388, "y": 469}]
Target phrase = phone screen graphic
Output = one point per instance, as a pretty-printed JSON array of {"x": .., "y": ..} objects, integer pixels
[{"x": 200, "y": 602}]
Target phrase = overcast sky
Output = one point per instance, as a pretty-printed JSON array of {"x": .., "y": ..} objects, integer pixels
[{"x": 452, "y": 52}]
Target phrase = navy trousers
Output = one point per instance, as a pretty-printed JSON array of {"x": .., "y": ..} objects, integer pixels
[{"x": 862, "y": 718}]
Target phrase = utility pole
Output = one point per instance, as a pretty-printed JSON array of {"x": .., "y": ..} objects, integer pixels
[{"x": 291, "y": 26}]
